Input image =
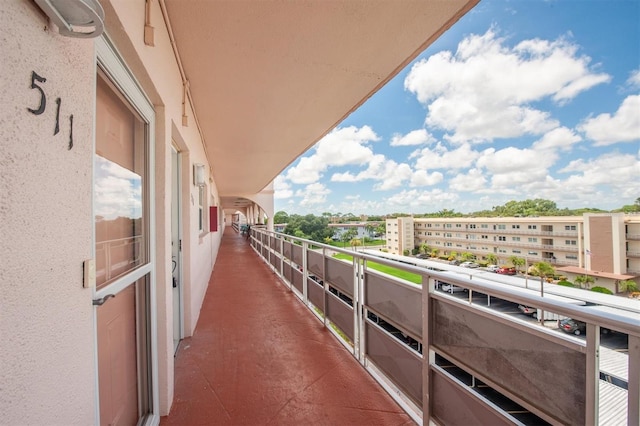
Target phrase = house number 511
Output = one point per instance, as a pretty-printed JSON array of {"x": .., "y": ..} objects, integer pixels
[{"x": 35, "y": 80}]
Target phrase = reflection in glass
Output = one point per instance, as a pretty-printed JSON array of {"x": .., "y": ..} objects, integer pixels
[{"x": 119, "y": 188}]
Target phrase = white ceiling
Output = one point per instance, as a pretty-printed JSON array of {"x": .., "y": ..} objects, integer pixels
[{"x": 270, "y": 78}]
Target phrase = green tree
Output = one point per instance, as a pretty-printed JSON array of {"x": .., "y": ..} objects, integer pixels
[
  {"x": 467, "y": 256},
  {"x": 492, "y": 259},
  {"x": 435, "y": 252},
  {"x": 628, "y": 286},
  {"x": 309, "y": 227},
  {"x": 355, "y": 242},
  {"x": 544, "y": 269},
  {"x": 280, "y": 217},
  {"x": 584, "y": 281},
  {"x": 424, "y": 248},
  {"x": 381, "y": 229},
  {"x": 347, "y": 236},
  {"x": 517, "y": 262}
]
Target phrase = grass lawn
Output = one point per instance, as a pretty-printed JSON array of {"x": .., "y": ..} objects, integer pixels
[
  {"x": 367, "y": 244},
  {"x": 399, "y": 273}
]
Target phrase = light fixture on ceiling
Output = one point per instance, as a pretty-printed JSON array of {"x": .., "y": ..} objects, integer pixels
[
  {"x": 198, "y": 175},
  {"x": 75, "y": 18}
]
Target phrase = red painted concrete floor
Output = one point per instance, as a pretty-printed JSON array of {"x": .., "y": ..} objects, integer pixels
[{"x": 259, "y": 357}]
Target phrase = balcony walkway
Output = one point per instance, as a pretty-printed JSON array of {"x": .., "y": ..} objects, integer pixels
[{"x": 259, "y": 357}]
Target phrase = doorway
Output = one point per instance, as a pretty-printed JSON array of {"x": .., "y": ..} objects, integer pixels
[{"x": 124, "y": 295}]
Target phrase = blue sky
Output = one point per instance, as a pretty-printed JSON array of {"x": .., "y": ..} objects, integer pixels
[{"x": 518, "y": 100}]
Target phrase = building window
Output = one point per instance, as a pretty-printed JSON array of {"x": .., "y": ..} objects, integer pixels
[
  {"x": 472, "y": 226},
  {"x": 515, "y": 226},
  {"x": 502, "y": 226},
  {"x": 533, "y": 226},
  {"x": 571, "y": 256},
  {"x": 517, "y": 251},
  {"x": 571, "y": 242},
  {"x": 533, "y": 240},
  {"x": 484, "y": 226},
  {"x": 448, "y": 225},
  {"x": 570, "y": 228},
  {"x": 515, "y": 238},
  {"x": 201, "y": 208},
  {"x": 502, "y": 238},
  {"x": 485, "y": 237}
]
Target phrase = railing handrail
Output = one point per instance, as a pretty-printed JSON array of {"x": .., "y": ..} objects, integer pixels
[{"x": 608, "y": 320}]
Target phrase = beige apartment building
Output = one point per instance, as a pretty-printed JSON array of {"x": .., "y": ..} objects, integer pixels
[{"x": 603, "y": 246}]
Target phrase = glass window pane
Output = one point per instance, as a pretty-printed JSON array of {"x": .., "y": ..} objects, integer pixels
[{"x": 120, "y": 187}]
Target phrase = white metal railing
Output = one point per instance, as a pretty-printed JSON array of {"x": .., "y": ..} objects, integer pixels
[
  {"x": 117, "y": 256},
  {"x": 307, "y": 270}
]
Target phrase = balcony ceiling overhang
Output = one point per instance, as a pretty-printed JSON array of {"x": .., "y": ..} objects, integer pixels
[{"x": 268, "y": 79}]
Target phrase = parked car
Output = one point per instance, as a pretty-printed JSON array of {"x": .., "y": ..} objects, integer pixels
[
  {"x": 450, "y": 288},
  {"x": 493, "y": 268},
  {"x": 572, "y": 326},
  {"x": 469, "y": 265},
  {"x": 528, "y": 310},
  {"x": 506, "y": 271},
  {"x": 454, "y": 262}
]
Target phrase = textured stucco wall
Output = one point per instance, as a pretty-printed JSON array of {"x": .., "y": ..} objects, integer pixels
[{"x": 47, "y": 369}]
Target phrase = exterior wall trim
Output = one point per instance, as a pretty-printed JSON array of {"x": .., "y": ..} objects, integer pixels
[{"x": 112, "y": 63}]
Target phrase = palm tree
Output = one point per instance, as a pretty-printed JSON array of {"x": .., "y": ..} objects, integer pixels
[
  {"x": 517, "y": 262},
  {"x": 467, "y": 256},
  {"x": 628, "y": 286},
  {"x": 355, "y": 243},
  {"x": 544, "y": 269},
  {"x": 492, "y": 259},
  {"x": 347, "y": 236},
  {"x": 584, "y": 281},
  {"x": 424, "y": 248},
  {"x": 434, "y": 252}
]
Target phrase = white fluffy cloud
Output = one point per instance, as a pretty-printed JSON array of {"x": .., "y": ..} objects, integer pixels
[
  {"x": 418, "y": 200},
  {"x": 559, "y": 138},
  {"x": 415, "y": 137},
  {"x": 623, "y": 126},
  {"x": 472, "y": 181},
  {"x": 281, "y": 189},
  {"x": 387, "y": 173},
  {"x": 313, "y": 194},
  {"x": 423, "y": 178},
  {"x": 118, "y": 190},
  {"x": 441, "y": 157},
  {"x": 634, "y": 79},
  {"x": 486, "y": 90},
  {"x": 341, "y": 147}
]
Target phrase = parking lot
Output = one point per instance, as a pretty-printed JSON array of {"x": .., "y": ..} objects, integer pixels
[{"x": 611, "y": 340}]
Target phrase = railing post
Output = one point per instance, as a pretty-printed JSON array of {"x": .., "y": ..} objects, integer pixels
[
  {"x": 305, "y": 273},
  {"x": 325, "y": 287},
  {"x": 428, "y": 356},
  {"x": 593, "y": 374},
  {"x": 633, "y": 415},
  {"x": 358, "y": 307}
]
